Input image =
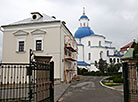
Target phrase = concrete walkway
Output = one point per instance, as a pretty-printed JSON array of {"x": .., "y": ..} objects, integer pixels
[
  {"x": 88, "y": 89},
  {"x": 59, "y": 90}
]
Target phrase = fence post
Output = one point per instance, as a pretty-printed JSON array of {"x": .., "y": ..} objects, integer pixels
[
  {"x": 52, "y": 81},
  {"x": 29, "y": 72},
  {"x": 126, "y": 84}
]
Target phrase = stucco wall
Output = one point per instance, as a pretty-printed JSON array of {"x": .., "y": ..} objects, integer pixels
[
  {"x": 80, "y": 53},
  {"x": 52, "y": 45}
]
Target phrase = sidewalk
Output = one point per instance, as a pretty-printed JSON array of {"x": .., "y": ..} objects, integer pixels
[{"x": 59, "y": 90}]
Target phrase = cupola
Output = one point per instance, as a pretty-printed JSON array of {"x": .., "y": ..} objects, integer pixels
[
  {"x": 84, "y": 29},
  {"x": 84, "y": 21}
]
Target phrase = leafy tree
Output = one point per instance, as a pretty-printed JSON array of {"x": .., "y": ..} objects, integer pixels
[
  {"x": 114, "y": 68},
  {"x": 102, "y": 65}
]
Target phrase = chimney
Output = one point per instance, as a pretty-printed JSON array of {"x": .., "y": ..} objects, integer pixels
[
  {"x": 54, "y": 17},
  {"x": 36, "y": 15}
]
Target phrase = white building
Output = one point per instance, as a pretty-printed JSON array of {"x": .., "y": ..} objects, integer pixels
[
  {"x": 92, "y": 46},
  {"x": 47, "y": 37}
]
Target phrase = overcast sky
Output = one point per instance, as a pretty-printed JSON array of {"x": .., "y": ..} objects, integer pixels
[{"x": 117, "y": 20}]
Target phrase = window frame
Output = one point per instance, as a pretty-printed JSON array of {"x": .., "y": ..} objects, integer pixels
[
  {"x": 20, "y": 49},
  {"x": 19, "y": 39},
  {"x": 89, "y": 56},
  {"x": 38, "y": 45},
  {"x": 38, "y": 37}
]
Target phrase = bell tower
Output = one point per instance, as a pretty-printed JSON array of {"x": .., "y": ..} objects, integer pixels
[{"x": 84, "y": 21}]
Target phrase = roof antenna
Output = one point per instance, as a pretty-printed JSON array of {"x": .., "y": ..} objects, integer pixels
[{"x": 83, "y": 10}]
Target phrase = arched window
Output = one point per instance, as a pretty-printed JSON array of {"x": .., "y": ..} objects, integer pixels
[
  {"x": 79, "y": 41},
  {"x": 99, "y": 43},
  {"x": 101, "y": 54},
  {"x": 118, "y": 60},
  {"x": 107, "y": 52},
  {"x": 89, "y": 43},
  {"x": 111, "y": 60},
  {"x": 114, "y": 60},
  {"x": 84, "y": 24},
  {"x": 89, "y": 56},
  {"x": 80, "y": 24}
]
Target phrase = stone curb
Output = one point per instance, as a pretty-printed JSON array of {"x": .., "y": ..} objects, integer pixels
[{"x": 108, "y": 86}]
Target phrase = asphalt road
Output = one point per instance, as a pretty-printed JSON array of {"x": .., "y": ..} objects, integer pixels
[{"x": 89, "y": 90}]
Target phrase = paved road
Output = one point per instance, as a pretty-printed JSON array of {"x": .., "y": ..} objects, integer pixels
[{"x": 89, "y": 90}]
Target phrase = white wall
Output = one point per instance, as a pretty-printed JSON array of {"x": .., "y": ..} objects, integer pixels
[
  {"x": 84, "y": 22},
  {"x": 53, "y": 45},
  {"x": 94, "y": 49},
  {"x": 107, "y": 44},
  {"x": 80, "y": 53}
]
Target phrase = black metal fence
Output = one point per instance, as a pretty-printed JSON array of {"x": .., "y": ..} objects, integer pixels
[{"x": 30, "y": 82}]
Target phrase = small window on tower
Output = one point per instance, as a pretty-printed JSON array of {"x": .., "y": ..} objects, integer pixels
[
  {"x": 84, "y": 24},
  {"x": 81, "y": 24}
]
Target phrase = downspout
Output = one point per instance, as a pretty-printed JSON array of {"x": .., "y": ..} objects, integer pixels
[
  {"x": 2, "y": 30},
  {"x": 60, "y": 52},
  {"x": 61, "y": 60}
]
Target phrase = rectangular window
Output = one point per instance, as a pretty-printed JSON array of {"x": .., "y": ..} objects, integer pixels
[
  {"x": 38, "y": 45},
  {"x": 89, "y": 56},
  {"x": 89, "y": 43},
  {"x": 21, "y": 46},
  {"x": 99, "y": 43}
]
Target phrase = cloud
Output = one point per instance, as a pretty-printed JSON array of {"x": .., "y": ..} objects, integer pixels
[{"x": 116, "y": 19}]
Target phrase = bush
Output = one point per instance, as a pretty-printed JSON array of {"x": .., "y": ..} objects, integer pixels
[
  {"x": 118, "y": 80},
  {"x": 86, "y": 73}
]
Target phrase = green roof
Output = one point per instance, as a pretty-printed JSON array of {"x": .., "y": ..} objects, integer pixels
[{"x": 128, "y": 54}]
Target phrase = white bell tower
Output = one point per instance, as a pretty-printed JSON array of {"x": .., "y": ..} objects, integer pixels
[{"x": 84, "y": 21}]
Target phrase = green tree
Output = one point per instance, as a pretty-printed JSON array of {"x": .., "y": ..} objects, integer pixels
[
  {"x": 114, "y": 68},
  {"x": 102, "y": 65}
]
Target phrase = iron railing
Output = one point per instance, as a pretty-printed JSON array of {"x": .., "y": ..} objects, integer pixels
[{"x": 27, "y": 82}]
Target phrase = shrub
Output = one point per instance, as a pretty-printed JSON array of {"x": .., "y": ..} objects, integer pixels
[{"x": 118, "y": 80}]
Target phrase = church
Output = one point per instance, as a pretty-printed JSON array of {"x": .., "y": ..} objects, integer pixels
[{"x": 92, "y": 46}]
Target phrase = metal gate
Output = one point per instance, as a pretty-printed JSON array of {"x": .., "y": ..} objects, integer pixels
[{"x": 30, "y": 82}]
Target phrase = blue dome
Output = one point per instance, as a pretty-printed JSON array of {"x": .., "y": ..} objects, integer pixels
[
  {"x": 83, "y": 32},
  {"x": 83, "y": 16}
]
